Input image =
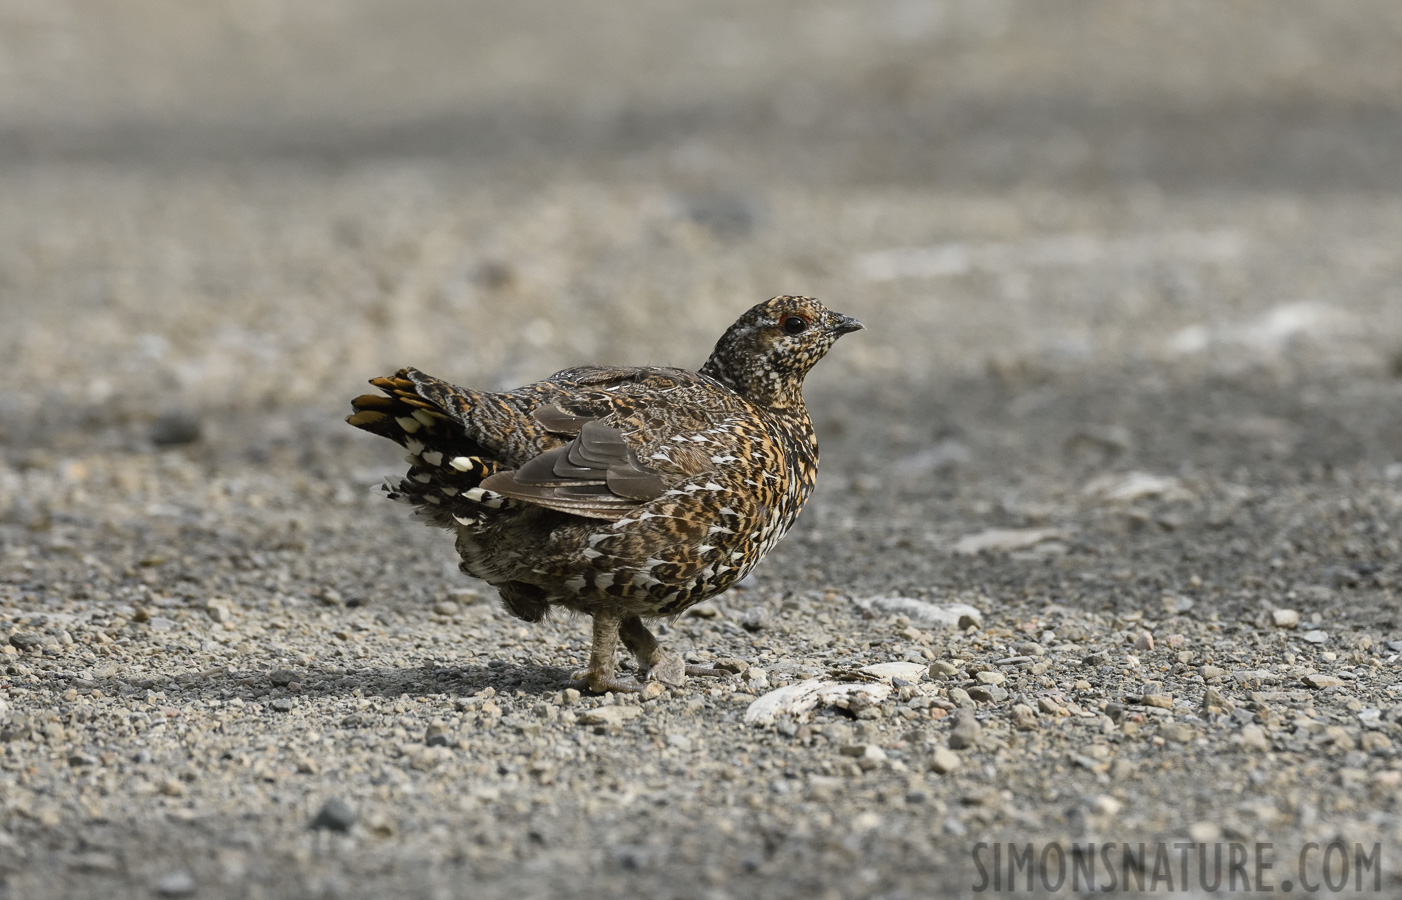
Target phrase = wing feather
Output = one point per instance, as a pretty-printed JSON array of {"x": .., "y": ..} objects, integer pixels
[{"x": 596, "y": 475}]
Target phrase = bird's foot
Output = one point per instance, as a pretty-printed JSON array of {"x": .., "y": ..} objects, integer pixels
[
  {"x": 671, "y": 670},
  {"x": 599, "y": 683},
  {"x": 709, "y": 671},
  {"x": 666, "y": 668}
]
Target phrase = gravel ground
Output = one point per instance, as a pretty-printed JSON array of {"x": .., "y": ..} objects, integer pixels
[{"x": 1131, "y": 392}]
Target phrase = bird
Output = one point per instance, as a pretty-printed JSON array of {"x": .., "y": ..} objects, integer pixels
[{"x": 623, "y": 493}]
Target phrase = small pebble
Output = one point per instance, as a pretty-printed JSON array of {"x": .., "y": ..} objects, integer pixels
[
  {"x": 755, "y": 618},
  {"x": 945, "y": 761},
  {"x": 966, "y": 730},
  {"x": 868, "y": 756},
  {"x": 334, "y": 815},
  {"x": 1178, "y": 732},
  {"x": 1253, "y": 737},
  {"x": 609, "y": 715},
  {"x": 1213, "y": 699},
  {"x": 942, "y": 670},
  {"x": 1205, "y": 832},
  {"x": 1106, "y": 805},
  {"x": 176, "y": 884},
  {"x": 1376, "y": 742}
]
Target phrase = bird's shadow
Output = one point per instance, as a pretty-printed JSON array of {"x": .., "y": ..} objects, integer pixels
[{"x": 312, "y": 682}]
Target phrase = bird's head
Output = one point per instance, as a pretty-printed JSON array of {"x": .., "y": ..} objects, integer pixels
[{"x": 769, "y": 350}]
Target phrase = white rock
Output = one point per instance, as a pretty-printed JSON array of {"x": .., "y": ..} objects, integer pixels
[
  {"x": 1205, "y": 832},
  {"x": 1114, "y": 487},
  {"x": 1285, "y": 618},
  {"x": 928, "y": 615},
  {"x": 1106, "y": 805},
  {"x": 910, "y": 671},
  {"x": 789, "y": 699},
  {"x": 792, "y": 699},
  {"x": 1005, "y": 539}
]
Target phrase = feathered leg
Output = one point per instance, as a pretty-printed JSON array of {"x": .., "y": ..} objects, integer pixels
[{"x": 602, "y": 674}]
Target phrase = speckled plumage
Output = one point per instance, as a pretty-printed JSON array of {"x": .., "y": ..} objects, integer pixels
[{"x": 624, "y": 493}]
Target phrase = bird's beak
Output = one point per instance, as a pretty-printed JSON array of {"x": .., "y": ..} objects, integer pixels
[{"x": 845, "y": 325}]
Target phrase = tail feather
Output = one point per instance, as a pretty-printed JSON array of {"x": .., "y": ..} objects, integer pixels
[{"x": 446, "y": 463}]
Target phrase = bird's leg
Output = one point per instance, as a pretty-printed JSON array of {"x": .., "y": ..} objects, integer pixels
[
  {"x": 601, "y": 676},
  {"x": 654, "y": 663}
]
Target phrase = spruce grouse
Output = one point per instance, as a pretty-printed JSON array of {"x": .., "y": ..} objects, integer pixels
[{"x": 623, "y": 493}]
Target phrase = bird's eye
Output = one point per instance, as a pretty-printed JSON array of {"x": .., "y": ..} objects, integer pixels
[{"x": 795, "y": 325}]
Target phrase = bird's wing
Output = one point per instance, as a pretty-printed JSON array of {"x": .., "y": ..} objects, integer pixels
[{"x": 595, "y": 475}]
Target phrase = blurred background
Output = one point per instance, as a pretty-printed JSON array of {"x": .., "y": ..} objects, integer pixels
[{"x": 212, "y": 208}]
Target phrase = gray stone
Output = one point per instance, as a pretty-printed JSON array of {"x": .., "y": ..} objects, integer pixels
[
  {"x": 755, "y": 618},
  {"x": 966, "y": 731},
  {"x": 942, "y": 670},
  {"x": 987, "y": 693},
  {"x": 334, "y": 815},
  {"x": 30, "y": 640},
  {"x": 176, "y": 428}
]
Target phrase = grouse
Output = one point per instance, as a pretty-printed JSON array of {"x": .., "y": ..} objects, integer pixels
[{"x": 619, "y": 492}]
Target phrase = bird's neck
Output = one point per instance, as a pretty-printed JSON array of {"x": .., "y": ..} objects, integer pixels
[{"x": 761, "y": 386}]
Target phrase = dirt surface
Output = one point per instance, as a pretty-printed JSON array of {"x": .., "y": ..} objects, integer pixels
[{"x": 1131, "y": 389}]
